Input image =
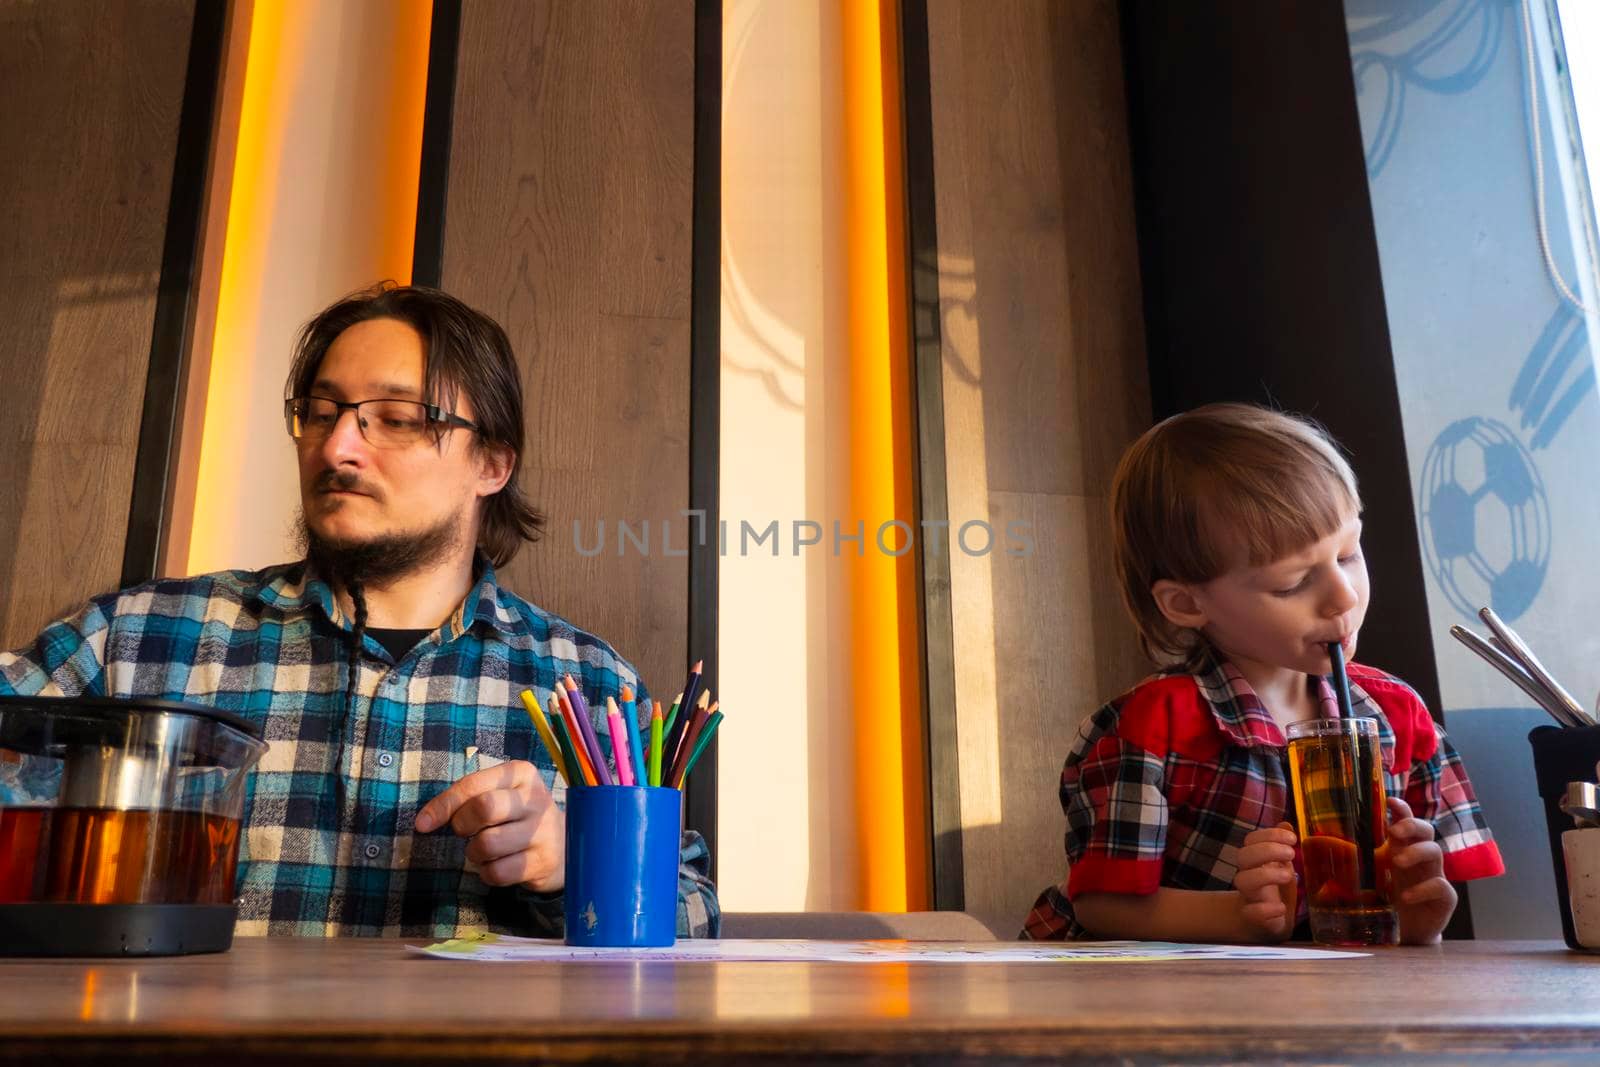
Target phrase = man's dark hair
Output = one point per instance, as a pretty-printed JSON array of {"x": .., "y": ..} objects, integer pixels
[{"x": 464, "y": 352}]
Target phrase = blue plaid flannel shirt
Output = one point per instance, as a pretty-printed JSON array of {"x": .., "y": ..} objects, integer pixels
[{"x": 328, "y": 846}]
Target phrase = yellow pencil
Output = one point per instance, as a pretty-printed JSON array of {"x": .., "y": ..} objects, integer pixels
[{"x": 542, "y": 725}]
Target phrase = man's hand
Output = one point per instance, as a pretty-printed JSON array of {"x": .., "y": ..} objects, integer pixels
[
  {"x": 516, "y": 835},
  {"x": 1422, "y": 897},
  {"x": 1265, "y": 880}
]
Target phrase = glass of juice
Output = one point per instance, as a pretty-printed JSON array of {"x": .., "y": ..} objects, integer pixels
[{"x": 1337, "y": 771}]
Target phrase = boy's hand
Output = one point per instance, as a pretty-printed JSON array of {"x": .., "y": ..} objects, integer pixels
[
  {"x": 1266, "y": 881},
  {"x": 1422, "y": 897}
]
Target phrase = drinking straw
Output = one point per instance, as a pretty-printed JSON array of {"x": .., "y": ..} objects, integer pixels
[
  {"x": 619, "y": 742},
  {"x": 690, "y": 736},
  {"x": 575, "y": 737},
  {"x": 1341, "y": 680},
  {"x": 541, "y": 726},
  {"x": 1361, "y": 815},
  {"x": 700, "y": 746},
  {"x": 559, "y": 725},
  {"x": 580, "y": 710},
  {"x": 655, "y": 744},
  {"x": 630, "y": 719}
]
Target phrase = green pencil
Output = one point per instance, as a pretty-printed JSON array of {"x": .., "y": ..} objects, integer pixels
[
  {"x": 705, "y": 739},
  {"x": 672, "y": 716},
  {"x": 655, "y": 744}
]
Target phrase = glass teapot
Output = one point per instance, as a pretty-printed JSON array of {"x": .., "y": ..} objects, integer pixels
[{"x": 122, "y": 804}]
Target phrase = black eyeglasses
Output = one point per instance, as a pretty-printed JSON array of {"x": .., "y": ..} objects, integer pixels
[{"x": 384, "y": 423}]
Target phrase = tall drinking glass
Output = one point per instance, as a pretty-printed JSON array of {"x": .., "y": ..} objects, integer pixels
[{"x": 1337, "y": 771}]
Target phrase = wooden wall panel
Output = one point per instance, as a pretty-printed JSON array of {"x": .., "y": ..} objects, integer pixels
[
  {"x": 568, "y": 220},
  {"x": 1044, "y": 384},
  {"x": 88, "y": 134}
]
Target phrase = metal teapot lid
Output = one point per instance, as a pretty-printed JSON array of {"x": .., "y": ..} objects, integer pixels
[{"x": 42, "y": 712}]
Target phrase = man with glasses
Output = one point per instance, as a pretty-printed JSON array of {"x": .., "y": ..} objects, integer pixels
[{"x": 404, "y": 793}]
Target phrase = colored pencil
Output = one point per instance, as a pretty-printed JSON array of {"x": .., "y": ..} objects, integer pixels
[
  {"x": 655, "y": 744},
  {"x": 672, "y": 716},
  {"x": 693, "y": 683},
  {"x": 575, "y": 742},
  {"x": 620, "y": 746},
  {"x": 575, "y": 735},
  {"x": 700, "y": 746},
  {"x": 580, "y": 708},
  {"x": 703, "y": 708},
  {"x": 674, "y": 742},
  {"x": 676, "y": 730},
  {"x": 690, "y": 736},
  {"x": 630, "y": 719},
  {"x": 559, "y": 726},
  {"x": 686, "y": 706},
  {"x": 541, "y": 726}
]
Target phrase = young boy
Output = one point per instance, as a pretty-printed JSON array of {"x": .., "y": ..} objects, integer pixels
[{"x": 1237, "y": 537}]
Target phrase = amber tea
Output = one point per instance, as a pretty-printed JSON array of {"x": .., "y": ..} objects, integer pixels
[
  {"x": 115, "y": 856},
  {"x": 1337, "y": 770}
]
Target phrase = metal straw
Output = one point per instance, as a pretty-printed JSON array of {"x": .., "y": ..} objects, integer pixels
[
  {"x": 1531, "y": 664},
  {"x": 1512, "y": 669},
  {"x": 1553, "y": 698}
]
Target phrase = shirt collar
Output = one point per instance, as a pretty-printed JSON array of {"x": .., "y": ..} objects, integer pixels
[
  {"x": 299, "y": 588},
  {"x": 295, "y": 588},
  {"x": 1238, "y": 711},
  {"x": 485, "y": 602},
  {"x": 1363, "y": 707},
  {"x": 1241, "y": 716}
]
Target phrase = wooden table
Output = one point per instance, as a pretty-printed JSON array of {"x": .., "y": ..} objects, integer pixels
[{"x": 309, "y": 1001}]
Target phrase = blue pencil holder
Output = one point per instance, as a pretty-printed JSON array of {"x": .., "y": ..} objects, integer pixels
[{"x": 622, "y": 865}]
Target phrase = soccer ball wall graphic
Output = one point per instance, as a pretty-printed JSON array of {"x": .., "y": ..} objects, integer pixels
[{"x": 1485, "y": 518}]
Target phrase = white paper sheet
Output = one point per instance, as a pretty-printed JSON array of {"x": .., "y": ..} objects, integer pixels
[{"x": 504, "y": 948}]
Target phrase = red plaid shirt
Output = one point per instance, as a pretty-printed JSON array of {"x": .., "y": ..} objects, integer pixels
[{"x": 1165, "y": 781}]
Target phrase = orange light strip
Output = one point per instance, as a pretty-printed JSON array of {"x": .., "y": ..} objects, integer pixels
[
  {"x": 179, "y": 520},
  {"x": 890, "y": 786},
  {"x": 402, "y": 172},
  {"x": 262, "y": 117},
  {"x": 281, "y": 34}
]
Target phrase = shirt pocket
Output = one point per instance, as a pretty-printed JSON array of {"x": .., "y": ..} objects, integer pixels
[{"x": 494, "y": 748}]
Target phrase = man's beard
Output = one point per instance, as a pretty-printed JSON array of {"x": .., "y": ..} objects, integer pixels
[{"x": 380, "y": 560}]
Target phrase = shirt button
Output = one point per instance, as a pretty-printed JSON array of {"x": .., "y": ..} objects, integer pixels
[
  {"x": 372, "y": 852},
  {"x": 385, "y": 759}
]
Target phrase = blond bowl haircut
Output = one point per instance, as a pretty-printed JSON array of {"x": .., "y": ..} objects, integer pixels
[{"x": 1219, "y": 487}]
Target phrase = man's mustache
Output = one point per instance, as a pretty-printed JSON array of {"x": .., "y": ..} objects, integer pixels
[{"x": 345, "y": 482}]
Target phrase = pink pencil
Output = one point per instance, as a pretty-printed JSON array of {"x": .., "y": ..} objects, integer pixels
[{"x": 620, "y": 744}]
